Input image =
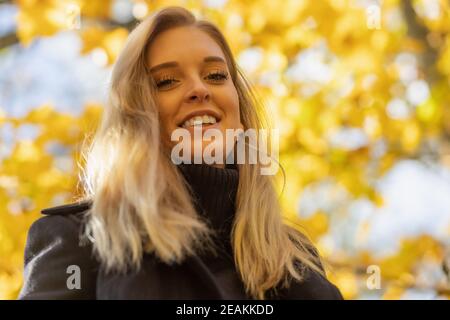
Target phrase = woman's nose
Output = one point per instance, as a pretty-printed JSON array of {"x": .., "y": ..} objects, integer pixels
[{"x": 198, "y": 93}]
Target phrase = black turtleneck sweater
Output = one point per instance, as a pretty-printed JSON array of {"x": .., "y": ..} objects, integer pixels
[
  {"x": 214, "y": 194},
  {"x": 53, "y": 245}
]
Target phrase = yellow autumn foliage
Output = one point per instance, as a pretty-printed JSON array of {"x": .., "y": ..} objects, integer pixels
[{"x": 347, "y": 78}]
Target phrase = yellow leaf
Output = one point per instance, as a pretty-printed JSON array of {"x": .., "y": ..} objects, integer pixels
[
  {"x": 27, "y": 151},
  {"x": 43, "y": 18},
  {"x": 393, "y": 293},
  {"x": 316, "y": 225},
  {"x": 411, "y": 136},
  {"x": 109, "y": 41},
  {"x": 346, "y": 281}
]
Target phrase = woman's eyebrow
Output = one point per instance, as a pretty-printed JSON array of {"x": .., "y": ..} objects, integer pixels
[{"x": 174, "y": 64}]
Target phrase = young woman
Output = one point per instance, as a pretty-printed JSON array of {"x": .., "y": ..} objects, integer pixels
[{"x": 149, "y": 228}]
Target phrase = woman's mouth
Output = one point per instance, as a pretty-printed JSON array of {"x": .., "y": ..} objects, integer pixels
[{"x": 201, "y": 121}]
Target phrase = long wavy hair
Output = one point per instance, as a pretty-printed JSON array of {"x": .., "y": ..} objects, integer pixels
[{"x": 140, "y": 202}]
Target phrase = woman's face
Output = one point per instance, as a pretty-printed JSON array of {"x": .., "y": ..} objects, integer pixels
[{"x": 193, "y": 80}]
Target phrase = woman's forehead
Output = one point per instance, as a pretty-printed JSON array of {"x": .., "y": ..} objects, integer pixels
[{"x": 182, "y": 43}]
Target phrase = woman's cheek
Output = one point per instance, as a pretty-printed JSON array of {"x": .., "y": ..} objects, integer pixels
[{"x": 165, "y": 123}]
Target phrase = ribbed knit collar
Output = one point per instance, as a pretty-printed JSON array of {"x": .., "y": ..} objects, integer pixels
[{"x": 214, "y": 193}]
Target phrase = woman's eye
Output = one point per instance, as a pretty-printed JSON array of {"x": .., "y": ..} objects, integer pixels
[
  {"x": 165, "y": 82},
  {"x": 215, "y": 77}
]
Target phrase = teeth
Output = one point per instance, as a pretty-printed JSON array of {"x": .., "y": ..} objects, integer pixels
[{"x": 199, "y": 120}]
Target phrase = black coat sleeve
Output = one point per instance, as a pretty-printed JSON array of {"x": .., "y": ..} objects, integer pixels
[{"x": 51, "y": 249}]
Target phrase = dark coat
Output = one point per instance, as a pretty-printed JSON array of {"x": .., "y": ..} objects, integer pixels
[{"x": 53, "y": 245}]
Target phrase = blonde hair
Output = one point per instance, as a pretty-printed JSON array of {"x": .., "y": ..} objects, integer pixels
[{"x": 139, "y": 200}]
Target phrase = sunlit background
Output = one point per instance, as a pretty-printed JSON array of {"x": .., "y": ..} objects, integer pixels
[{"x": 358, "y": 89}]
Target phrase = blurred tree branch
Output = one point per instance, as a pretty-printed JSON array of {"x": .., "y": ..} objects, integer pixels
[
  {"x": 8, "y": 40},
  {"x": 419, "y": 32},
  {"x": 12, "y": 38}
]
